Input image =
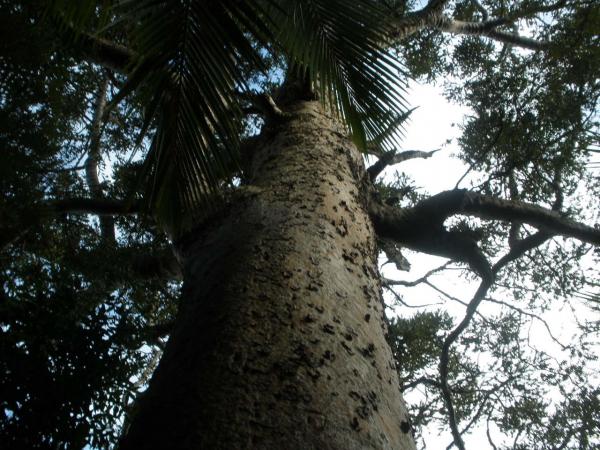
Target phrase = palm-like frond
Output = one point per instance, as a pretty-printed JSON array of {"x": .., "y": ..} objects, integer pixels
[
  {"x": 341, "y": 43},
  {"x": 190, "y": 68}
]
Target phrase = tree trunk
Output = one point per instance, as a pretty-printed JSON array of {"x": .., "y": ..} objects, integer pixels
[{"x": 280, "y": 340}]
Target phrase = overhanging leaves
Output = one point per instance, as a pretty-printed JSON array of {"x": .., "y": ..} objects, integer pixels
[{"x": 193, "y": 57}]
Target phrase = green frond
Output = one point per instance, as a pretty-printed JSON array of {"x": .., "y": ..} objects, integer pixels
[
  {"x": 195, "y": 50},
  {"x": 342, "y": 43},
  {"x": 396, "y": 127},
  {"x": 189, "y": 64}
]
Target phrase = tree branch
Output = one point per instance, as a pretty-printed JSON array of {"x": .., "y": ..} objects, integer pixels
[
  {"x": 105, "y": 53},
  {"x": 122, "y": 264},
  {"x": 422, "y": 230},
  {"x": 420, "y": 380},
  {"x": 515, "y": 252},
  {"x": 488, "y": 29},
  {"x": 394, "y": 254},
  {"x": 100, "y": 207},
  {"x": 432, "y": 16},
  {"x": 481, "y": 9},
  {"x": 401, "y": 301},
  {"x": 415, "y": 21},
  {"x": 32, "y": 216},
  {"x": 461, "y": 201},
  {"x": 529, "y": 314},
  {"x": 107, "y": 224},
  {"x": 264, "y": 105},
  {"x": 423, "y": 279},
  {"x": 391, "y": 158},
  {"x": 444, "y": 358}
]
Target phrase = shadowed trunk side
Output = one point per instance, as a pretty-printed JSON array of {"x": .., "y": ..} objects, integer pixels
[{"x": 280, "y": 341}]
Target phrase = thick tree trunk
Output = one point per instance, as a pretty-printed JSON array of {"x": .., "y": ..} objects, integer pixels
[{"x": 280, "y": 339}]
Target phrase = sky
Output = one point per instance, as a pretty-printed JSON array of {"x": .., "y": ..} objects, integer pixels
[{"x": 431, "y": 126}]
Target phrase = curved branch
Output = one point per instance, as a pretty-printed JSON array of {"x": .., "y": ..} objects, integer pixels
[
  {"x": 445, "y": 357},
  {"x": 432, "y": 16},
  {"x": 264, "y": 105},
  {"x": 391, "y": 158},
  {"x": 421, "y": 228},
  {"x": 488, "y": 29},
  {"x": 423, "y": 279},
  {"x": 462, "y": 201},
  {"x": 486, "y": 283},
  {"x": 105, "y": 53}
]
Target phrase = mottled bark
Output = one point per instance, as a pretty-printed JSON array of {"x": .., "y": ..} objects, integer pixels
[{"x": 280, "y": 339}]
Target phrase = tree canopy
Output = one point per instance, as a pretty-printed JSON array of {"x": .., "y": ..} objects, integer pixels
[{"x": 123, "y": 124}]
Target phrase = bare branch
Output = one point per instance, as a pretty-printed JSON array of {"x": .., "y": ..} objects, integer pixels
[
  {"x": 418, "y": 281},
  {"x": 444, "y": 358},
  {"x": 454, "y": 299},
  {"x": 461, "y": 201},
  {"x": 263, "y": 104},
  {"x": 488, "y": 29},
  {"x": 529, "y": 314},
  {"x": 391, "y": 158},
  {"x": 401, "y": 301},
  {"x": 105, "y": 53},
  {"x": 432, "y": 16},
  {"x": 489, "y": 436}
]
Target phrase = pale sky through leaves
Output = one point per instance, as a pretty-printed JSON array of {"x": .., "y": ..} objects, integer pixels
[{"x": 435, "y": 124}]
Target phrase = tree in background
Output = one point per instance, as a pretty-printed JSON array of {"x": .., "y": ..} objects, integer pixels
[{"x": 156, "y": 143}]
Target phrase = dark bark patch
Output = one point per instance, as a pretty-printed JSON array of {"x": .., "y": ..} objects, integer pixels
[
  {"x": 328, "y": 355},
  {"x": 363, "y": 411},
  {"x": 312, "y": 287},
  {"x": 405, "y": 427},
  {"x": 368, "y": 351},
  {"x": 327, "y": 328},
  {"x": 308, "y": 318},
  {"x": 347, "y": 348}
]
